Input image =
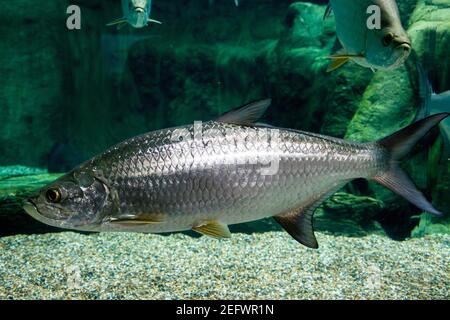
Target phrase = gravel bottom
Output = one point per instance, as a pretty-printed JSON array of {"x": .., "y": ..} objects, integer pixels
[{"x": 259, "y": 266}]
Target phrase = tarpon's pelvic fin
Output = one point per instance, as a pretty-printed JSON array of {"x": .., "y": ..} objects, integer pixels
[
  {"x": 154, "y": 21},
  {"x": 247, "y": 114},
  {"x": 398, "y": 145},
  {"x": 213, "y": 228},
  {"x": 120, "y": 23},
  {"x": 299, "y": 222}
]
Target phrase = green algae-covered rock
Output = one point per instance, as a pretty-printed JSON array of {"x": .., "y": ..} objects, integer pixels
[
  {"x": 386, "y": 106},
  {"x": 430, "y": 32},
  {"x": 350, "y": 215},
  {"x": 297, "y": 66},
  {"x": 30, "y": 82}
]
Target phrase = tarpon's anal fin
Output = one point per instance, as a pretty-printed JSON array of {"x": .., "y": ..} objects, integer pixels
[
  {"x": 300, "y": 226},
  {"x": 120, "y": 23},
  {"x": 327, "y": 11},
  {"x": 136, "y": 220},
  {"x": 213, "y": 228},
  {"x": 247, "y": 114},
  {"x": 299, "y": 222},
  {"x": 154, "y": 21}
]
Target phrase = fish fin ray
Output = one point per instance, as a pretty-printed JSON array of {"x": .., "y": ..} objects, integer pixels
[
  {"x": 399, "y": 182},
  {"x": 154, "y": 21},
  {"x": 299, "y": 222},
  {"x": 398, "y": 145},
  {"x": 136, "y": 220},
  {"x": 328, "y": 11},
  {"x": 337, "y": 62},
  {"x": 119, "y": 22},
  {"x": 425, "y": 92},
  {"x": 247, "y": 114},
  {"x": 213, "y": 228}
]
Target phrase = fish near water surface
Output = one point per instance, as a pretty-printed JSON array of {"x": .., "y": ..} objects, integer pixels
[
  {"x": 385, "y": 48},
  {"x": 135, "y": 13},
  {"x": 204, "y": 177}
]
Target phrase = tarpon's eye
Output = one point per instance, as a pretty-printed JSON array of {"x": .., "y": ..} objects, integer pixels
[
  {"x": 387, "y": 39},
  {"x": 53, "y": 195}
]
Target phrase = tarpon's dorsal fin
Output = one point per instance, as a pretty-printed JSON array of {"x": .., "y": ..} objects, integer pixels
[
  {"x": 327, "y": 11},
  {"x": 299, "y": 222},
  {"x": 120, "y": 23},
  {"x": 213, "y": 228},
  {"x": 141, "y": 219},
  {"x": 247, "y": 114}
]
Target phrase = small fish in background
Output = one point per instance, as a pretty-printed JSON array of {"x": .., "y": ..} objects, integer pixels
[
  {"x": 135, "y": 13},
  {"x": 232, "y": 170},
  {"x": 433, "y": 103},
  {"x": 378, "y": 49}
]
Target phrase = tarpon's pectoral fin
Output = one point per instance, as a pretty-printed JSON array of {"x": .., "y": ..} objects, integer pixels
[
  {"x": 338, "y": 60},
  {"x": 214, "y": 228},
  {"x": 136, "y": 220},
  {"x": 327, "y": 11},
  {"x": 120, "y": 23},
  {"x": 299, "y": 222},
  {"x": 154, "y": 21},
  {"x": 246, "y": 115}
]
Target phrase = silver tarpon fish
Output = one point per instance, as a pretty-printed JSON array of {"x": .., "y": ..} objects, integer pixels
[
  {"x": 204, "y": 177},
  {"x": 136, "y": 13},
  {"x": 385, "y": 48}
]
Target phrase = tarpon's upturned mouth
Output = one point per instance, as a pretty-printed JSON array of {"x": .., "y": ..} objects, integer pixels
[
  {"x": 32, "y": 210},
  {"x": 139, "y": 10},
  {"x": 401, "y": 53},
  {"x": 405, "y": 45}
]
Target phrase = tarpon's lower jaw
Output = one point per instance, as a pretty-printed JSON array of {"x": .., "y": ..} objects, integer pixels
[
  {"x": 139, "y": 18},
  {"x": 31, "y": 209},
  {"x": 405, "y": 47},
  {"x": 401, "y": 51}
]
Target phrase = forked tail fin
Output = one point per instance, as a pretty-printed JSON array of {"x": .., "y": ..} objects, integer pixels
[{"x": 398, "y": 145}]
